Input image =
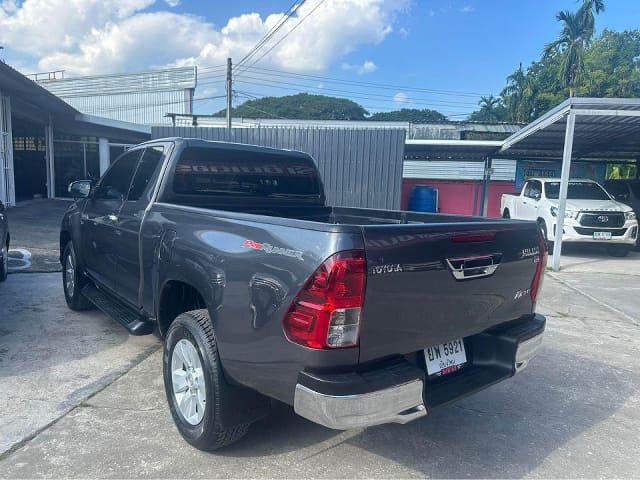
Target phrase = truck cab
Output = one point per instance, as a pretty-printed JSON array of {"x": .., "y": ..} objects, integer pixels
[{"x": 591, "y": 215}]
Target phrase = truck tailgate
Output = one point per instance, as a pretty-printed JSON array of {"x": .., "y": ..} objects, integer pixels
[{"x": 413, "y": 299}]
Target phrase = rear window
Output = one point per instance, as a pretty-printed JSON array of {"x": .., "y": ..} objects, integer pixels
[
  {"x": 220, "y": 172},
  {"x": 577, "y": 191}
]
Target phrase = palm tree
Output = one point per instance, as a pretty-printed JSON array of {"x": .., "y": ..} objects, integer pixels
[
  {"x": 577, "y": 31},
  {"x": 488, "y": 108},
  {"x": 518, "y": 95},
  {"x": 589, "y": 9}
]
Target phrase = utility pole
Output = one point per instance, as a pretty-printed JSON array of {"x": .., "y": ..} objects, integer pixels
[{"x": 229, "y": 91}]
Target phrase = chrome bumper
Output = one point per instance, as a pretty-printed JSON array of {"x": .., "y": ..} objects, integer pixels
[
  {"x": 527, "y": 350},
  {"x": 397, "y": 404}
]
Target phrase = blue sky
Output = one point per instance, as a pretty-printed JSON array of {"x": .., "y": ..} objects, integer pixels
[{"x": 466, "y": 47}]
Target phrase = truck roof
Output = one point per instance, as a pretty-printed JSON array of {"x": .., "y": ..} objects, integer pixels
[
  {"x": 557, "y": 179},
  {"x": 199, "y": 142}
]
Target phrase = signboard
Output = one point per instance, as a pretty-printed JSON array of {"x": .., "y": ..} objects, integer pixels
[{"x": 526, "y": 169}]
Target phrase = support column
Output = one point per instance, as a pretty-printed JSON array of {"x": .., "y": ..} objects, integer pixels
[
  {"x": 104, "y": 154},
  {"x": 50, "y": 159},
  {"x": 564, "y": 186},
  {"x": 7, "y": 183},
  {"x": 486, "y": 179}
]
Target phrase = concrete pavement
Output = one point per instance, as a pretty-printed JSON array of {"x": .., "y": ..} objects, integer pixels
[
  {"x": 574, "y": 412},
  {"x": 35, "y": 231},
  {"x": 52, "y": 359}
]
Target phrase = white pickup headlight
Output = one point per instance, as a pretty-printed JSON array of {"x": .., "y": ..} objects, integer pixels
[
  {"x": 630, "y": 215},
  {"x": 567, "y": 213}
]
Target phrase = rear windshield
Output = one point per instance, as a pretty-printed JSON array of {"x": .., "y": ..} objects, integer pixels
[
  {"x": 220, "y": 172},
  {"x": 577, "y": 191}
]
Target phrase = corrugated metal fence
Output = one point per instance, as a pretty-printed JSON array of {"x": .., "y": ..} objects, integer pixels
[
  {"x": 503, "y": 170},
  {"x": 360, "y": 167}
]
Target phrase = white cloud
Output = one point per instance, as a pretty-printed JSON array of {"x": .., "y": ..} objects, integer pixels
[
  {"x": 367, "y": 67},
  {"x": 98, "y": 36},
  {"x": 403, "y": 32},
  {"x": 172, "y": 3},
  {"x": 401, "y": 97},
  {"x": 467, "y": 9}
]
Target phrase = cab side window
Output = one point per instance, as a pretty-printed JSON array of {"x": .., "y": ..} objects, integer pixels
[
  {"x": 146, "y": 172},
  {"x": 533, "y": 189},
  {"x": 115, "y": 184}
]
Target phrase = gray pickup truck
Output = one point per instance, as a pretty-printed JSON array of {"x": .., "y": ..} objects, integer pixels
[{"x": 355, "y": 317}]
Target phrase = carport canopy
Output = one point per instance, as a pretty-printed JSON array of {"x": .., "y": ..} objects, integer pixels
[{"x": 595, "y": 129}]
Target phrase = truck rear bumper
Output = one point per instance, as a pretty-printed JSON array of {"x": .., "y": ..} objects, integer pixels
[
  {"x": 399, "y": 392},
  {"x": 397, "y": 404}
]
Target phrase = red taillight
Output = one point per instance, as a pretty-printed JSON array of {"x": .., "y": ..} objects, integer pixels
[
  {"x": 536, "y": 284},
  {"x": 326, "y": 312}
]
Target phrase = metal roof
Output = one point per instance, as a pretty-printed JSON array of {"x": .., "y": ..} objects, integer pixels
[
  {"x": 605, "y": 129},
  {"x": 453, "y": 150},
  {"x": 29, "y": 98}
]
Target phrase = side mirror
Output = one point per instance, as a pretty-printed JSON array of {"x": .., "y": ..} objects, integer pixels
[
  {"x": 80, "y": 188},
  {"x": 623, "y": 197}
]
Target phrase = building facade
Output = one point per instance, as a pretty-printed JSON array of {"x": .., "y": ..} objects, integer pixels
[
  {"x": 143, "y": 98},
  {"x": 45, "y": 143}
]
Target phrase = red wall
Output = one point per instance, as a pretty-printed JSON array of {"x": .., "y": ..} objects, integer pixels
[{"x": 457, "y": 196}]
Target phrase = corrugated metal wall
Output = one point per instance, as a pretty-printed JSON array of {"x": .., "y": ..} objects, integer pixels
[
  {"x": 360, "y": 167},
  {"x": 503, "y": 170}
]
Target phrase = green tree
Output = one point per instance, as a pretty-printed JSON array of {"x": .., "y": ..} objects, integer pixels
[
  {"x": 412, "y": 115},
  {"x": 518, "y": 95},
  {"x": 302, "y": 106},
  {"x": 491, "y": 110},
  {"x": 576, "y": 33}
]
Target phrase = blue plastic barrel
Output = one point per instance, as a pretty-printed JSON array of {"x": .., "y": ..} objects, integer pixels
[{"x": 423, "y": 199}]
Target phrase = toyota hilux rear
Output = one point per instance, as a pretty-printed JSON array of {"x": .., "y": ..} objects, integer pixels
[{"x": 442, "y": 310}]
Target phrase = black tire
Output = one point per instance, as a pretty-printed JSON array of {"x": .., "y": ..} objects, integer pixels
[
  {"x": 506, "y": 213},
  {"x": 4, "y": 262},
  {"x": 619, "y": 250},
  {"x": 73, "y": 292},
  {"x": 543, "y": 227},
  {"x": 209, "y": 434}
]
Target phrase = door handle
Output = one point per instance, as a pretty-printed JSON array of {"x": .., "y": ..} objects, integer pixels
[{"x": 464, "y": 268}]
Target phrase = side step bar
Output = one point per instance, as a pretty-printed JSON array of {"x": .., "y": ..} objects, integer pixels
[{"x": 128, "y": 318}]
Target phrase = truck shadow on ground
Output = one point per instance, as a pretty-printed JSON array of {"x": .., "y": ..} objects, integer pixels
[{"x": 505, "y": 431}]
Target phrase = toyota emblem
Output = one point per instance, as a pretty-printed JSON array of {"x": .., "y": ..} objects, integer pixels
[{"x": 603, "y": 218}]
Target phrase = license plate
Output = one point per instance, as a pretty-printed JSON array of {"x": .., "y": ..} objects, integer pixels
[
  {"x": 445, "y": 358},
  {"x": 602, "y": 235}
]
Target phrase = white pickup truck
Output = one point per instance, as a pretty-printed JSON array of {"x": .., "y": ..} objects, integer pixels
[{"x": 591, "y": 215}]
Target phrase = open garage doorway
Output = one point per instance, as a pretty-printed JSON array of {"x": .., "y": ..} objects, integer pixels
[{"x": 29, "y": 160}]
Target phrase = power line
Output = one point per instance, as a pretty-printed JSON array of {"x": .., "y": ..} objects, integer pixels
[
  {"x": 252, "y": 96},
  {"x": 433, "y": 105},
  {"x": 367, "y": 95},
  {"x": 383, "y": 86},
  {"x": 285, "y": 16},
  {"x": 288, "y": 33}
]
